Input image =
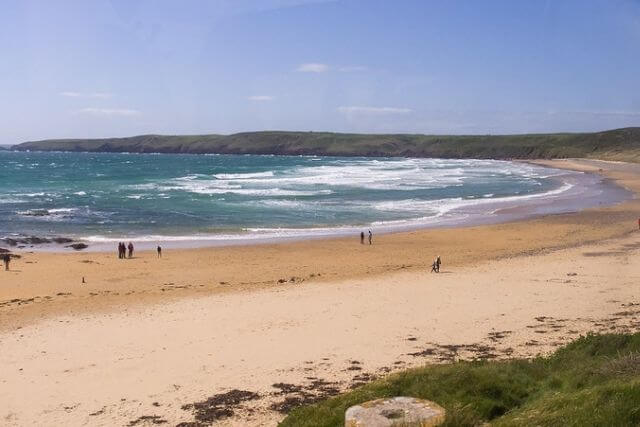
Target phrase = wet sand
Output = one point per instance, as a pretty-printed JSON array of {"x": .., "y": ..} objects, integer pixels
[{"x": 145, "y": 337}]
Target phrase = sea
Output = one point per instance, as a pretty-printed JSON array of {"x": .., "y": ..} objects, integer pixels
[{"x": 200, "y": 200}]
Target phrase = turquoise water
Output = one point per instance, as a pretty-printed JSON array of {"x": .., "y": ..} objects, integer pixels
[{"x": 104, "y": 197}]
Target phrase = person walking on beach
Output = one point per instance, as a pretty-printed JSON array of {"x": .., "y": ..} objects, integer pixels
[
  {"x": 362, "y": 237},
  {"x": 434, "y": 267},
  {"x": 159, "y": 251},
  {"x": 7, "y": 259},
  {"x": 130, "y": 249},
  {"x": 120, "y": 250},
  {"x": 370, "y": 237},
  {"x": 438, "y": 262}
]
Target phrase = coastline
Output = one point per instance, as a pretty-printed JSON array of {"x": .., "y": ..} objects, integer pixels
[
  {"x": 114, "y": 349},
  {"x": 577, "y": 190},
  {"x": 212, "y": 270}
]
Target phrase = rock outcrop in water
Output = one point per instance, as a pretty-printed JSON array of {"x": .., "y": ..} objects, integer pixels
[{"x": 32, "y": 241}]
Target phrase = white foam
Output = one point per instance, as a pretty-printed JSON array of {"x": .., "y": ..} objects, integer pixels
[
  {"x": 442, "y": 206},
  {"x": 8, "y": 199},
  {"x": 62, "y": 210},
  {"x": 244, "y": 175},
  {"x": 31, "y": 194}
]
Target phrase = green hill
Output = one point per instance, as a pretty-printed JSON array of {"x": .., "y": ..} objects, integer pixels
[
  {"x": 594, "y": 381},
  {"x": 619, "y": 144}
]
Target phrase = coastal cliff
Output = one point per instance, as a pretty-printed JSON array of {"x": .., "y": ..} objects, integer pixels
[{"x": 619, "y": 144}]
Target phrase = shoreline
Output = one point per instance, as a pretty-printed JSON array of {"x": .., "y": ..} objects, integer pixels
[
  {"x": 575, "y": 192},
  {"x": 182, "y": 273}
]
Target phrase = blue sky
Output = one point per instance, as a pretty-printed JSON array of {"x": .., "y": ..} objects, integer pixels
[{"x": 116, "y": 68}]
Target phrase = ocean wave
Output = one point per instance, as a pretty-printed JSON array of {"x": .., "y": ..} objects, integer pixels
[
  {"x": 62, "y": 210},
  {"x": 212, "y": 187},
  {"x": 244, "y": 176},
  {"x": 264, "y": 192},
  {"x": 375, "y": 174},
  {"x": 442, "y": 206},
  {"x": 58, "y": 212},
  {"x": 9, "y": 199},
  {"x": 31, "y": 194}
]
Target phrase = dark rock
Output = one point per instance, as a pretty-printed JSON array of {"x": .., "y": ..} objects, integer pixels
[
  {"x": 61, "y": 240},
  {"x": 78, "y": 246},
  {"x": 31, "y": 240},
  {"x": 35, "y": 240}
]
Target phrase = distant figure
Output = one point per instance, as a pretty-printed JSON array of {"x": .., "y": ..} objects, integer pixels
[
  {"x": 370, "y": 237},
  {"x": 434, "y": 267},
  {"x": 119, "y": 250},
  {"x": 159, "y": 251},
  {"x": 130, "y": 249},
  {"x": 7, "y": 259},
  {"x": 438, "y": 262},
  {"x": 362, "y": 237}
]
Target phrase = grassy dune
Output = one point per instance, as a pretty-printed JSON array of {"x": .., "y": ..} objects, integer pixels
[
  {"x": 620, "y": 144},
  {"x": 594, "y": 381}
]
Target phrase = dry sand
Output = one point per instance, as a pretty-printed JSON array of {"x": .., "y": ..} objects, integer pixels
[{"x": 143, "y": 337}]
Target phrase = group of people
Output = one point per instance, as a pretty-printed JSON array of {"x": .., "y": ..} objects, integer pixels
[
  {"x": 435, "y": 267},
  {"x": 362, "y": 237},
  {"x": 122, "y": 250}
]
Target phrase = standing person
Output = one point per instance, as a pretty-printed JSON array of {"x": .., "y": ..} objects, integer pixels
[
  {"x": 438, "y": 262},
  {"x": 119, "y": 250},
  {"x": 159, "y": 251},
  {"x": 370, "y": 237},
  {"x": 362, "y": 237},
  {"x": 7, "y": 259},
  {"x": 130, "y": 249},
  {"x": 434, "y": 267}
]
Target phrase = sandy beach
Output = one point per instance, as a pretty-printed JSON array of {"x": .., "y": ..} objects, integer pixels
[{"x": 144, "y": 339}]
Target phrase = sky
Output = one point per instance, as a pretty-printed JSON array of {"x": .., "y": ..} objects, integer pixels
[{"x": 110, "y": 68}]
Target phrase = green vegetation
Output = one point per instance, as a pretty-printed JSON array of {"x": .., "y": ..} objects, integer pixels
[
  {"x": 594, "y": 381},
  {"x": 620, "y": 144}
]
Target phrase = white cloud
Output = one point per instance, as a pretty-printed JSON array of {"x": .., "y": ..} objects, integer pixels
[
  {"x": 312, "y": 67},
  {"x": 373, "y": 110},
  {"x": 261, "y": 98},
  {"x": 352, "y": 68},
  {"x": 102, "y": 95},
  {"x": 109, "y": 111}
]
